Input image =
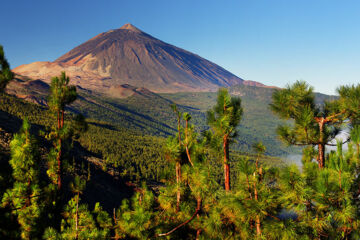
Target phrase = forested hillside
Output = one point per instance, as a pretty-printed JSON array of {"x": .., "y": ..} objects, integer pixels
[
  {"x": 149, "y": 113},
  {"x": 185, "y": 193},
  {"x": 65, "y": 176}
]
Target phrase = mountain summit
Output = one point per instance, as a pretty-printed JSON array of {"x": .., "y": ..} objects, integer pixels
[
  {"x": 131, "y": 27},
  {"x": 130, "y": 56}
]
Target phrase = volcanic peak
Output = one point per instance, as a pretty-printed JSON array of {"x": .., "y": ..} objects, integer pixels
[{"x": 131, "y": 27}]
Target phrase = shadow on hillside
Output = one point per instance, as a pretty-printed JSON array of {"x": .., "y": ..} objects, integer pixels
[
  {"x": 103, "y": 125},
  {"x": 103, "y": 187}
]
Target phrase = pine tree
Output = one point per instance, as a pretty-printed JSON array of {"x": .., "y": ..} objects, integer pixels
[
  {"x": 324, "y": 200},
  {"x": 189, "y": 137},
  {"x": 5, "y": 72},
  {"x": 250, "y": 210},
  {"x": 23, "y": 198},
  {"x": 136, "y": 218},
  {"x": 178, "y": 160},
  {"x": 61, "y": 95},
  {"x": 198, "y": 191},
  {"x": 350, "y": 102},
  {"x": 313, "y": 125},
  {"x": 78, "y": 222},
  {"x": 223, "y": 119}
]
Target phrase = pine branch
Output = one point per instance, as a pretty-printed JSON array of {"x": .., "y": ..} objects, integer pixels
[{"x": 179, "y": 226}]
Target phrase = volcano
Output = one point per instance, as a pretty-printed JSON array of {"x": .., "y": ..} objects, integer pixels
[{"x": 130, "y": 56}]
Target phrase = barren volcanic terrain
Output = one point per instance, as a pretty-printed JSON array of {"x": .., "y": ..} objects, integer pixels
[{"x": 130, "y": 56}]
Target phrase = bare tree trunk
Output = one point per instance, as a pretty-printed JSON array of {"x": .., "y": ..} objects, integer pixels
[
  {"x": 62, "y": 118},
  {"x": 321, "y": 156},
  {"x": 321, "y": 145},
  {"x": 186, "y": 146},
  {"x": 178, "y": 181},
  {"x": 58, "y": 158},
  {"x": 257, "y": 219},
  {"x": 198, "y": 232},
  {"x": 258, "y": 226}
]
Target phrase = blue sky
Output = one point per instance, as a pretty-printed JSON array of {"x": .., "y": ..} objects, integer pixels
[{"x": 271, "y": 41}]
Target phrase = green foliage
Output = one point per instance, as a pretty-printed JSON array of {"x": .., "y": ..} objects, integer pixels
[
  {"x": 322, "y": 198},
  {"x": 224, "y": 119},
  {"x": 313, "y": 125},
  {"x": 266, "y": 202},
  {"x": 78, "y": 222},
  {"x": 225, "y": 115},
  {"x": 135, "y": 155},
  {"x": 23, "y": 197},
  {"x": 5, "y": 72},
  {"x": 350, "y": 101},
  {"x": 86, "y": 225},
  {"x": 258, "y": 123},
  {"x": 61, "y": 93},
  {"x": 136, "y": 218}
]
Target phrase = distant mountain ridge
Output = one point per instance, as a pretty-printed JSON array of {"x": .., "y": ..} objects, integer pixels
[{"x": 131, "y": 56}]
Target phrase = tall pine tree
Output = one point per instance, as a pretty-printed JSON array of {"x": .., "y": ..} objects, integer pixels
[
  {"x": 23, "y": 197},
  {"x": 223, "y": 119},
  {"x": 61, "y": 95},
  {"x": 313, "y": 125}
]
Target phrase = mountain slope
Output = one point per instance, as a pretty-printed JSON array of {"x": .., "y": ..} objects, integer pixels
[
  {"x": 130, "y": 56},
  {"x": 150, "y": 113}
]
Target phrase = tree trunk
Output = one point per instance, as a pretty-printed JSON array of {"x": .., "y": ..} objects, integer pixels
[
  {"x": 178, "y": 172},
  {"x": 62, "y": 118},
  {"x": 321, "y": 156},
  {"x": 178, "y": 180},
  {"x": 321, "y": 145},
  {"x": 58, "y": 158},
  {"x": 257, "y": 220},
  {"x": 186, "y": 146},
  {"x": 198, "y": 232},
  {"x": 226, "y": 163},
  {"x": 198, "y": 209},
  {"x": 258, "y": 227}
]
